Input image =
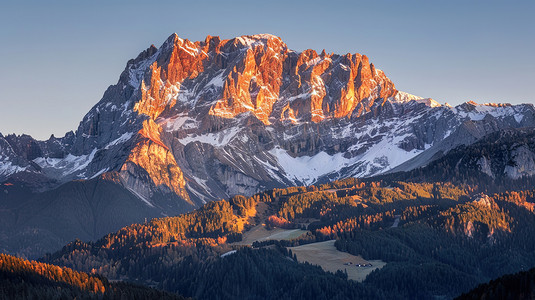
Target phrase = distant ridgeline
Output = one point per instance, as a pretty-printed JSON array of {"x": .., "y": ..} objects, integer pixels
[{"x": 449, "y": 239}]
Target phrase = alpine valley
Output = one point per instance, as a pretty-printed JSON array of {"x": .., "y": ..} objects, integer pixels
[{"x": 443, "y": 199}]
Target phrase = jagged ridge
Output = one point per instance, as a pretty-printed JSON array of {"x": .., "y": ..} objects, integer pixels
[
  {"x": 190, "y": 122},
  {"x": 216, "y": 118}
]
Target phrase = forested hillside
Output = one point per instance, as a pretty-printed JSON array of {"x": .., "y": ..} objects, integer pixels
[
  {"x": 22, "y": 279},
  {"x": 517, "y": 286},
  {"x": 438, "y": 239}
]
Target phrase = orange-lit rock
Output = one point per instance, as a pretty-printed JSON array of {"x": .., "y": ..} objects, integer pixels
[
  {"x": 258, "y": 72},
  {"x": 185, "y": 60},
  {"x": 254, "y": 82},
  {"x": 160, "y": 165},
  {"x": 152, "y": 155}
]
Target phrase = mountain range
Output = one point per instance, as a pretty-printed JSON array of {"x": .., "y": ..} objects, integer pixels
[{"x": 192, "y": 122}]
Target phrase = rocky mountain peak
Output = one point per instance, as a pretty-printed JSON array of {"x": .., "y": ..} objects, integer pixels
[
  {"x": 209, "y": 119},
  {"x": 256, "y": 74}
]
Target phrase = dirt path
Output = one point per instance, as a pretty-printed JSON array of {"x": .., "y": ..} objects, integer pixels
[{"x": 330, "y": 259}]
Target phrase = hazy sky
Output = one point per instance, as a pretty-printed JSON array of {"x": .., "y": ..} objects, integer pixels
[{"x": 58, "y": 57}]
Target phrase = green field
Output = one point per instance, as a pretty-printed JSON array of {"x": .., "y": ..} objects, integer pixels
[{"x": 325, "y": 255}]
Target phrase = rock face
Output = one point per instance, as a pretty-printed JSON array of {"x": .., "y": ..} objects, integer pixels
[
  {"x": 200, "y": 121},
  {"x": 505, "y": 154},
  {"x": 190, "y": 122},
  {"x": 500, "y": 161}
]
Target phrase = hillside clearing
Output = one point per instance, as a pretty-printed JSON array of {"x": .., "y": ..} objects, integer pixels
[
  {"x": 325, "y": 255},
  {"x": 260, "y": 233}
]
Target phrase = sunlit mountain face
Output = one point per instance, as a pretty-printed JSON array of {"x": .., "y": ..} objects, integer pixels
[
  {"x": 281, "y": 135},
  {"x": 201, "y": 121}
]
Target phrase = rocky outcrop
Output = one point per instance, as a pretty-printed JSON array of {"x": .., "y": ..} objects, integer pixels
[
  {"x": 158, "y": 164},
  {"x": 206, "y": 120},
  {"x": 191, "y": 122},
  {"x": 521, "y": 162}
]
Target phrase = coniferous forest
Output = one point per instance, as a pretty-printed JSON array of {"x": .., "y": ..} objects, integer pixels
[
  {"x": 449, "y": 239},
  {"x": 22, "y": 279}
]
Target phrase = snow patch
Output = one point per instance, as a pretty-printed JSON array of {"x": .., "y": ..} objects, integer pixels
[
  {"x": 8, "y": 168},
  {"x": 307, "y": 169},
  {"x": 385, "y": 156},
  {"x": 137, "y": 71},
  {"x": 217, "y": 81},
  {"x": 477, "y": 112},
  {"x": 180, "y": 121},
  {"x": 123, "y": 138},
  {"x": 68, "y": 165},
  {"x": 217, "y": 139},
  {"x": 402, "y": 97}
]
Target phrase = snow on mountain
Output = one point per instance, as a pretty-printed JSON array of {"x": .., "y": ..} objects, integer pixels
[
  {"x": 402, "y": 97},
  {"x": 7, "y": 167},
  {"x": 476, "y": 112},
  {"x": 218, "y": 139},
  {"x": 210, "y": 119},
  {"x": 66, "y": 166}
]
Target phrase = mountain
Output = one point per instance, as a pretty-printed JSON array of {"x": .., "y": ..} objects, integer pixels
[
  {"x": 22, "y": 279},
  {"x": 191, "y": 122},
  {"x": 500, "y": 161}
]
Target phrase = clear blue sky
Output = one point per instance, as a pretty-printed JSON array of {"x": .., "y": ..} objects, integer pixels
[{"x": 58, "y": 57}]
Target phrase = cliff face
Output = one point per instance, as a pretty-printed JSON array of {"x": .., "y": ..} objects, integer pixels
[
  {"x": 190, "y": 122},
  {"x": 258, "y": 74},
  {"x": 206, "y": 120}
]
